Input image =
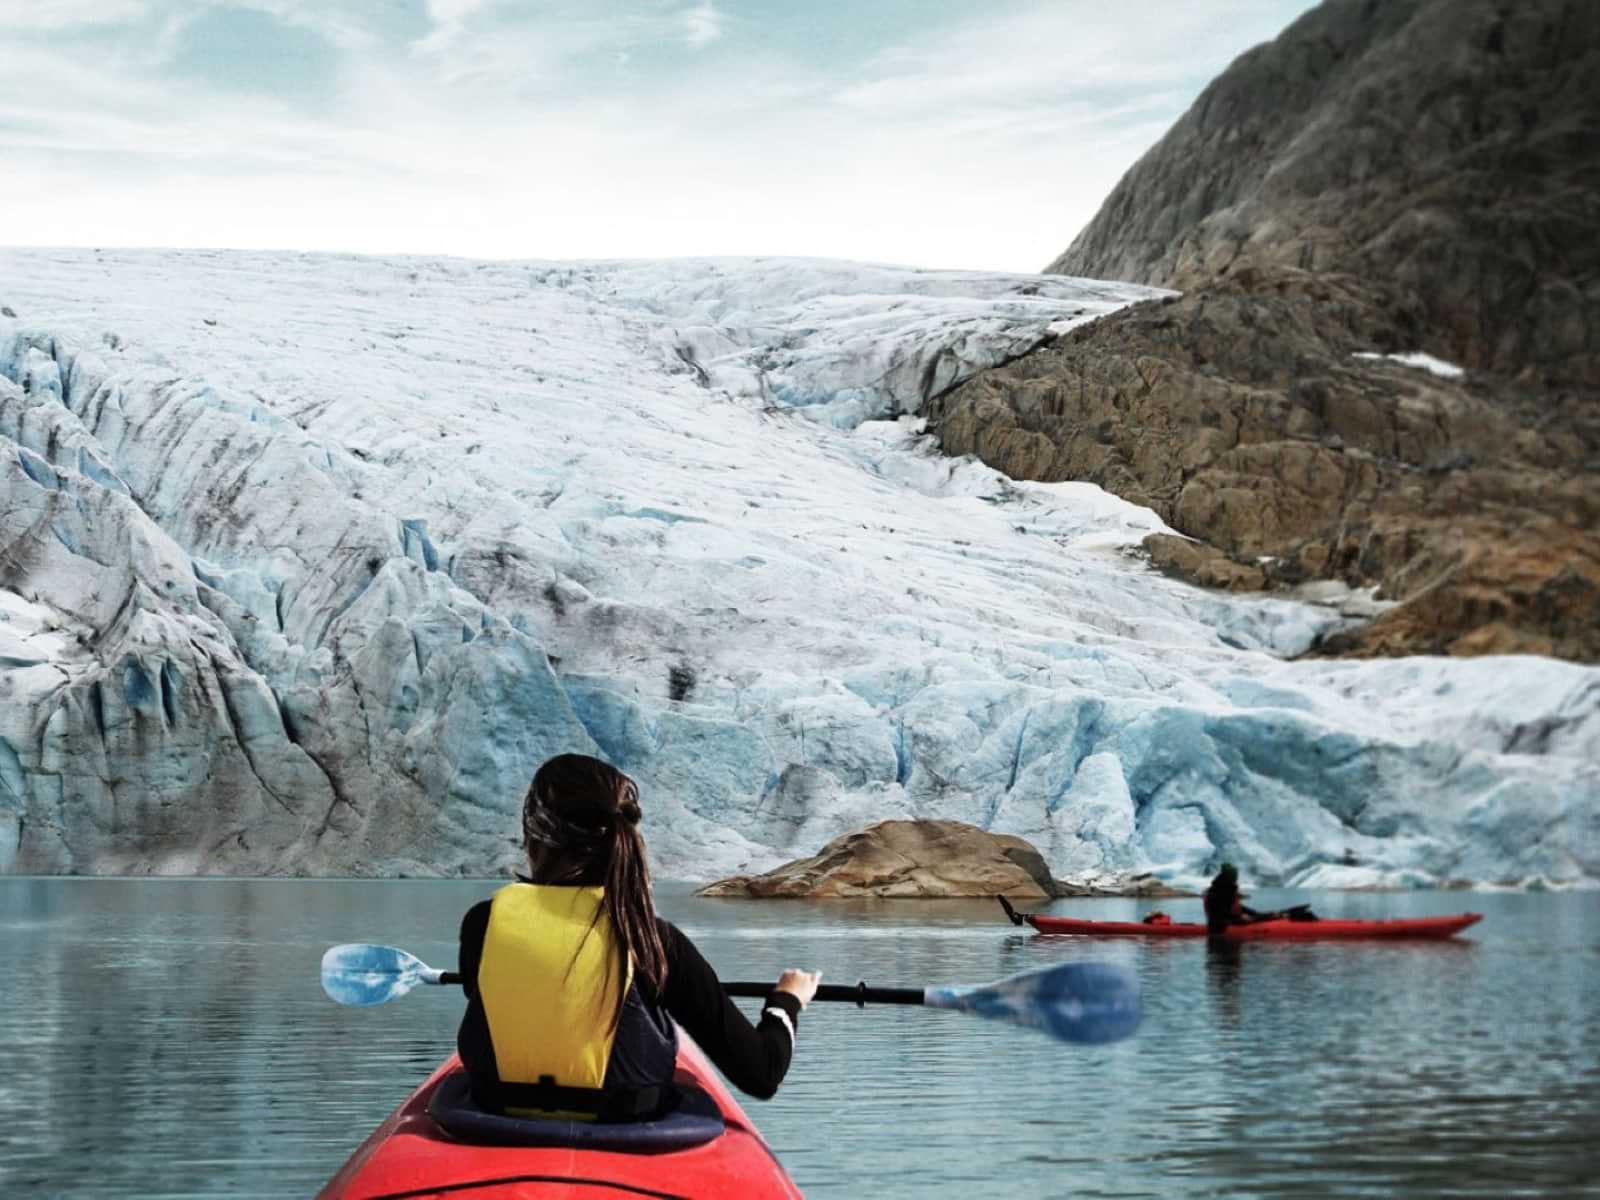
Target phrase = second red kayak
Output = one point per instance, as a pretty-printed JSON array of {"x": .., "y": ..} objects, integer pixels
[
  {"x": 1411, "y": 927},
  {"x": 708, "y": 1150}
]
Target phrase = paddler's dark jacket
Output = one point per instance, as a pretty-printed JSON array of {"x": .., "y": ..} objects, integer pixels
[
  {"x": 754, "y": 1058},
  {"x": 1223, "y": 906}
]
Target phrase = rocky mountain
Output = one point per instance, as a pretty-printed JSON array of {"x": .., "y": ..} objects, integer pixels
[{"x": 1386, "y": 224}]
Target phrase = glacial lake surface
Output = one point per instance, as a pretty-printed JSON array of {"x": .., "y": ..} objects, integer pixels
[{"x": 169, "y": 1038}]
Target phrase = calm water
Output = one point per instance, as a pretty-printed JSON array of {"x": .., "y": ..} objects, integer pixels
[{"x": 169, "y": 1038}]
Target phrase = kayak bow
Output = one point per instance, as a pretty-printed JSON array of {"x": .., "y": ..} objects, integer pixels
[{"x": 412, "y": 1156}]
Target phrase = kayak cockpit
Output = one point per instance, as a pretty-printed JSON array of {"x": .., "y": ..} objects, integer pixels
[{"x": 692, "y": 1120}]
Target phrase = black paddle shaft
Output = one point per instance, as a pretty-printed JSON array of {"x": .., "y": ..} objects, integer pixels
[{"x": 858, "y": 994}]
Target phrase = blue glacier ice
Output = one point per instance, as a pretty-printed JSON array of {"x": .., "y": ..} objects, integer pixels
[{"x": 307, "y": 561}]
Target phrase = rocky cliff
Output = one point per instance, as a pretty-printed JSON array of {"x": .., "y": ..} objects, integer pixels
[{"x": 1387, "y": 177}]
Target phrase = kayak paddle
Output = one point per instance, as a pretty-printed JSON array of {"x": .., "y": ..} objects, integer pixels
[
  {"x": 1072, "y": 1002},
  {"x": 361, "y": 974}
]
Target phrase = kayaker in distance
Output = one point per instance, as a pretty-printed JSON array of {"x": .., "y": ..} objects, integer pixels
[
  {"x": 1224, "y": 905},
  {"x": 573, "y": 983}
]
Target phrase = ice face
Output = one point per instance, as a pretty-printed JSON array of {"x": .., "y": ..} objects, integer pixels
[{"x": 308, "y": 561}]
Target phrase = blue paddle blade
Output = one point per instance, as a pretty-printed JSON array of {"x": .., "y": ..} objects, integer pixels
[
  {"x": 363, "y": 974},
  {"x": 1073, "y": 1002}
]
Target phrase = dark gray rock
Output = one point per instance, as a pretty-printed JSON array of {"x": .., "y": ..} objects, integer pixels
[{"x": 1450, "y": 148}]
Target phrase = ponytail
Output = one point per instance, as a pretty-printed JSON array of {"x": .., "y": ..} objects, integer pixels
[
  {"x": 628, "y": 903},
  {"x": 580, "y": 825}
]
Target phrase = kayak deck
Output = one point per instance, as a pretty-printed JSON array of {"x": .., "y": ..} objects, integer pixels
[
  {"x": 1409, "y": 927},
  {"x": 409, "y": 1156}
]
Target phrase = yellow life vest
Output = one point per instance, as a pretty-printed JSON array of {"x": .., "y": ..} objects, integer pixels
[{"x": 548, "y": 986}]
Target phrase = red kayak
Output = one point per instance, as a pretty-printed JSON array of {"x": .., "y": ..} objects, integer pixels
[
  {"x": 707, "y": 1149},
  {"x": 1411, "y": 927}
]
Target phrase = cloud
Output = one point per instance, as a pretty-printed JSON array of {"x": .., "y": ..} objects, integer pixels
[
  {"x": 450, "y": 19},
  {"x": 483, "y": 127},
  {"x": 361, "y": 26},
  {"x": 702, "y": 25},
  {"x": 1057, "y": 52},
  {"x": 446, "y": 12},
  {"x": 19, "y": 16},
  {"x": 248, "y": 50}
]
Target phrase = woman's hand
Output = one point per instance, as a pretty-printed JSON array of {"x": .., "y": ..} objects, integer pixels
[{"x": 800, "y": 984}]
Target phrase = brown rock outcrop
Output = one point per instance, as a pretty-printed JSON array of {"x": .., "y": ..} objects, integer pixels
[
  {"x": 1200, "y": 563},
  {"x": 1246, "y": 422},
  {"x": 899, "y": 859},
  {"x": 1387, "y": 176}
]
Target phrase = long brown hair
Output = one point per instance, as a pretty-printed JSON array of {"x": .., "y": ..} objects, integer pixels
[{"x": 580, "y": 825}]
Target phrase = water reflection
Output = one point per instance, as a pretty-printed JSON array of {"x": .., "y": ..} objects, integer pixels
[{"x": 1223, "y": 961}]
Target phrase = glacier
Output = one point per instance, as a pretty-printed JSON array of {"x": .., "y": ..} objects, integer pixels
[{"x": 306, "y": 561}]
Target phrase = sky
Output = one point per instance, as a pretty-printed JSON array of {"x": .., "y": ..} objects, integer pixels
[{"x": 934, "y": 133}]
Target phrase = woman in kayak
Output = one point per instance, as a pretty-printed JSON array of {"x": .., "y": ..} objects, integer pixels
[
  {"x": 1224, "y": 906},
  {"x": 573, "y": 983}
]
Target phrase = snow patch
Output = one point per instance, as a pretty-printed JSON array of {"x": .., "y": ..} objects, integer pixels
[{"x": 1418, "y": 359}]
